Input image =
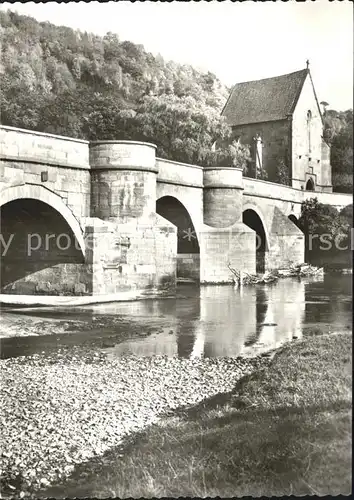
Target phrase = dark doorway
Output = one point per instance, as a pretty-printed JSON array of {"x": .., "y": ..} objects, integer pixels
[{"x": 310, "y": 185}]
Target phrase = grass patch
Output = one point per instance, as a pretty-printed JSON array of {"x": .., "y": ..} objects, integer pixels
[{"x": 284, "y": 430}]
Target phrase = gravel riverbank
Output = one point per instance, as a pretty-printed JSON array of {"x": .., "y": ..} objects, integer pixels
[{"x": 65, "y": 408}]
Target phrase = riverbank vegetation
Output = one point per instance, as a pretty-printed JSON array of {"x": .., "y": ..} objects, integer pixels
[
  {"x": 338, "y": 132},
  {"x": 283, "y": 430},
  {"x": 327, "y": 233}
]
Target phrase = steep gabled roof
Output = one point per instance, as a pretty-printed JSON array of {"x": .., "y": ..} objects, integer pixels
[{"x": 264, "y": 100}]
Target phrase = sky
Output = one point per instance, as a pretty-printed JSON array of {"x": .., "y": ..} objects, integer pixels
[{"x": 235, "y": 41}]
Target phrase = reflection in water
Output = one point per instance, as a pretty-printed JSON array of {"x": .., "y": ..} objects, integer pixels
[
  {"x": 224, "y": 321},
  {"x": 331, "y": 307},
  {"x": 187, "y": 314},
  {"x": 261, "y": 311},
  {"x": 228, "y": 318},
  {"x": 163, "y": 343},
  {"x": 199, "y": 342},
  {"x": 283, "y": 318},
  {"x": 209, "y": 321}
]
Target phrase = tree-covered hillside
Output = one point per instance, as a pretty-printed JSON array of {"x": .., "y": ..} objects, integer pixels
[{"x": 63, "y": 81}]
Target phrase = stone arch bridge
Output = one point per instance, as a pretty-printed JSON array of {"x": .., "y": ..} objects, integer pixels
[{"x": 99, "y": 218}]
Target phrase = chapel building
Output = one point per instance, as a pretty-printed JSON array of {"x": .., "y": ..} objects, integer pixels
[{"x": 280, "y": 118}]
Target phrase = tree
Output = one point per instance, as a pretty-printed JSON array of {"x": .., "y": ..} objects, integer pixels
[
  {"x": 108, "y": 120},
  {"x": 235, "y": 155},
  {"x": 182, "y": 128},
  {"x": 318, "y": 218},
  {"x": 20, "y": 106},
  {"x": 338, "y": 132},
  {"x": 327, "y": 232},
  {"x": 43, "y": 64},
  {"x": 62, "y": 114},
  {"x": 282, "y": 173},
  {"x": 347, "y": 214}
]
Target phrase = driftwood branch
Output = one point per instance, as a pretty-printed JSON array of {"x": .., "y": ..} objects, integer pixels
[{"x": 244, "y": 278}]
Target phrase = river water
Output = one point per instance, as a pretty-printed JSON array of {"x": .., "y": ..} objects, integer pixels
[{"x": 209, "y": 321}]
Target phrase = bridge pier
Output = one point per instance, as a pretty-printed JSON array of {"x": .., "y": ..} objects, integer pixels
[
  {"x": 280, "y": 243},
  {"x": 133, "y": 247},
  {"x": 286, "y": 243},
  {"x": 225, "y": 241}
]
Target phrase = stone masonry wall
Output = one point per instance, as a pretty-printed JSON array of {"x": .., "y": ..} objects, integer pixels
[
  {"x": 326, "y": 169},
  {"x": 25, "y": 154},
  {"x": 58, "y": 279},
  {"x": 123, "y": 180},
  {"x": 188, "y": 266},
  {"x": 43, "y": 256},
  {"x": 284, "y": 240},
  {"x": 307, "y": 154},
  {"x": 284, "y": 251},
  {"x": 132, "y": 257},
  {"x": 122, "y": 195},
  {"x": 222, "y": 207},
  {"x": 222, "y": 196},
  {"x": 275, "y": 137},
  {"x": 180, "y": 174},
  {"x": 262, "y": 194},
  {"x": 72, "y": 185},
  {"x": 32, "y": 146},
  {"x": 219, "y": 247},
  {"x": 190, "y": 197},
  {"x": 286, "y": 198}
]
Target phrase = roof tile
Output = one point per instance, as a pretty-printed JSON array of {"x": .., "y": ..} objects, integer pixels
[{"x": 264, "y": 100}]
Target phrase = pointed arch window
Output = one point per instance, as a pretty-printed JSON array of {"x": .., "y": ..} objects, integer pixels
[{"x": 308, "y": 120}]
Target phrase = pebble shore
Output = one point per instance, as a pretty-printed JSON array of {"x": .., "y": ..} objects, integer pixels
[{"x": 63, "y": 409}]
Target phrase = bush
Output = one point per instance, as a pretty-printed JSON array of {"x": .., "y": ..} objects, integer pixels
[
  {"x": 347, "y": 214},
  {"x": 327, "y": 232},
  {"x": 234, "y": 155},
  {"x": 282, "y": 173}
]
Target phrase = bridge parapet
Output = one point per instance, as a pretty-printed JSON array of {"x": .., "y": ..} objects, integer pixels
[
  {"x": 338, "y": 200},
  {"x": 226, "y": 177},
  {"x": 181, "y": 174},
  {"x": 122, "y": 155},
  {"x": 272, "y": 190},
  {"x": 36, "y": 147}
]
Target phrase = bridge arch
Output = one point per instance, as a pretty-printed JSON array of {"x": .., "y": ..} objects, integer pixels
[
  {"x": 174, "y": 211},
  {"x": 42, "y": 244},
  {"x": 48, "y": 197},
  {"x": 294, "y": 220},
  {"x": 253, "y": 218},
  {"x": 188, "y": 261}
]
